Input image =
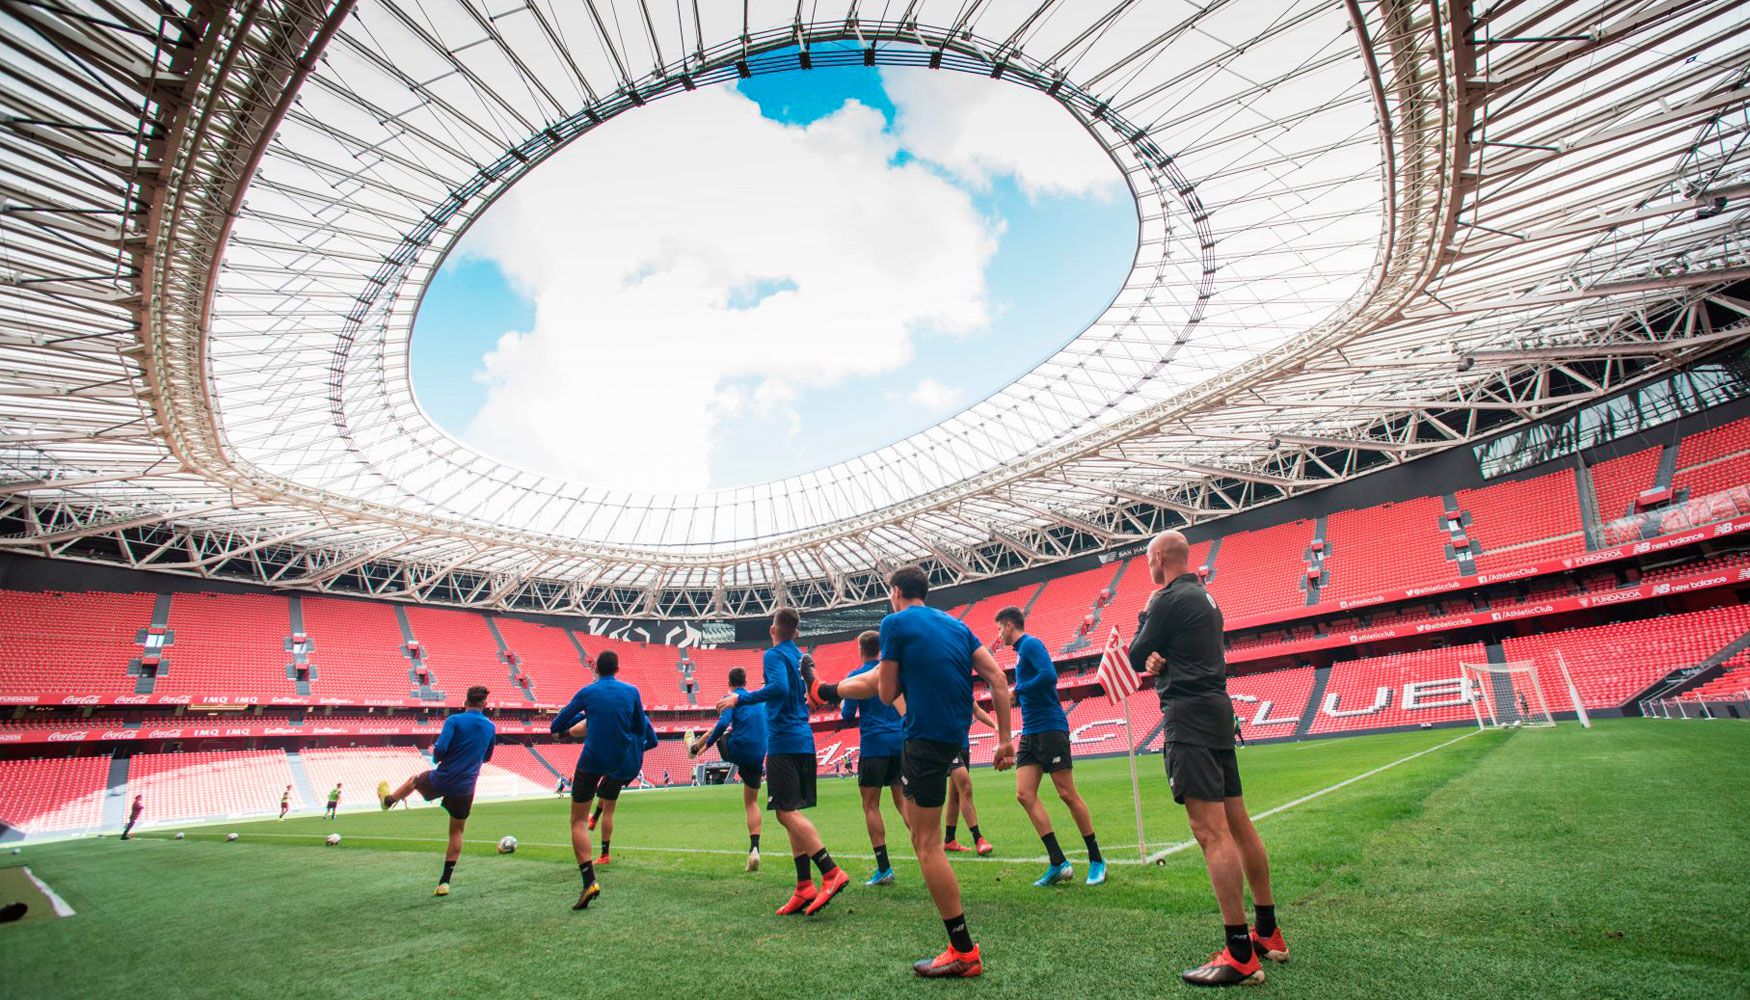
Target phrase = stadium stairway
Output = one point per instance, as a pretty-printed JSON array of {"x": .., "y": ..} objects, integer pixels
[
  {"x": 1683, "y": 681},
  {"x": 1309, "y": 712},
  {"x": 300, "y": 650},
  {"x": 424, "y": 686},
  {"x": 115, "y": 799},
  {"x": 1316, "y": 574},
  {"x": 146, "y": 680},
  {"x": 1590, "y": 523},
  {"x": 301, "y": 777}
]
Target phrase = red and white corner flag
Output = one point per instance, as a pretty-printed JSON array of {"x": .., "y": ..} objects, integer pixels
[{"x": 1115, "y": 674}]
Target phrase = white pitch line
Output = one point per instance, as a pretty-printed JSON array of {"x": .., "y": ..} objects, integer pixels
[
  {"x": 1170, "y": 847},
  {"x": 60, "y": 905},
  {"x": 1159, "y": 857}
]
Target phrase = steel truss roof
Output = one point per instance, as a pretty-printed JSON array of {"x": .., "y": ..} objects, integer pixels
[{"x": 1366, "y": 231}]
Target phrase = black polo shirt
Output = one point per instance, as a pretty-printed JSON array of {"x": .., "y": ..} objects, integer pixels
[{"x": 1184, "y": 625}]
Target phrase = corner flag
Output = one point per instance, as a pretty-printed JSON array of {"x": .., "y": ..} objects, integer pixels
[
  {"x": 1115, "y": 674},
  {"x": 1120, "y": 683}
]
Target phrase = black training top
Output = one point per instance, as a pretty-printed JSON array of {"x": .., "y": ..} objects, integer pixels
[{"x": 1184, "y": 625}]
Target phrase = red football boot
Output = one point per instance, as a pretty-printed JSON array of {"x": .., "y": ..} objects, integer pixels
[
  {"x": 1222, "y": 970},
  {"x": 799, "y": 900},
  {"x": 831, "y": 885},
  {"x": 951, "y": 964}
]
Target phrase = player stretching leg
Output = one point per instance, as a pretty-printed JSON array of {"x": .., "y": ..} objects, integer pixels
[
  {"x": 791, "y": 764},
  {"x": 745, "y": 747},
  {"x": 1045, "y": 750},
  {"x": 609, "y": 715},
  {"x": 134, "y": 812},
  {"x": 462, "y": 746},
  {"x": 878, "y": 757},
  {"x": 1180, "y": 647},
  {"x": 285, "y": 803},
  {"x": 929, "y": 658},
  {"x": 960, "y": 795}
]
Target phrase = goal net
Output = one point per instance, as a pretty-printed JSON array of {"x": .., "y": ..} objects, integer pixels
[{"x": 1506, "y": 694}]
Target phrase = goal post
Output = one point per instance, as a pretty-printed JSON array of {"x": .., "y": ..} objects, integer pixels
[{"x": 1506, "y": 695}]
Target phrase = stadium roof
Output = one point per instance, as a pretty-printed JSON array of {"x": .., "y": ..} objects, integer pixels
[{"x": 1367, "y": 231}]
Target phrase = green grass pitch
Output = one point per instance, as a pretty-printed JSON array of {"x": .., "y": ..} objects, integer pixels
[{"x": 1602, "y": 863}]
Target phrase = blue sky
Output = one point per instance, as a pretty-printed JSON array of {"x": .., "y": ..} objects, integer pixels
[{"x": 1059, "y": 256}]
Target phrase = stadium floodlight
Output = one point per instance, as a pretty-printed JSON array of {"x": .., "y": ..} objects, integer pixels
[{"x": 1506, "y": 695}]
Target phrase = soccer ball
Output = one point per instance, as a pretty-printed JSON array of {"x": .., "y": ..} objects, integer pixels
[
  {"x": 230, "y": 837},
  {"x": 507, "y": 845},
  {"x": 17, "y": 850},
  {"x": 333, "y": 838},
  {"x": 178, "y": 836}
]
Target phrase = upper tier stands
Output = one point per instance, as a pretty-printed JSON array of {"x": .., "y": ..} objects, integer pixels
[
  {"x": 1375, "y": 549},
  {"x": 1518, "y": 522},
  {"x": 227, "y": 643},
  {"x": 711, "y": 668},
  {"x": 1134, "y": 590},
  {"x": 1259, "y": 571},
  {"x": 459, "y": 650},
  {"x": 1618, "y": 481},
  {"x": 58, "y": 642},
  {"x": 1060, "y": 609},
  {"x": 547, "y": 655},
  {"x": 357, "y": 649},
  {"x": 651, "y": 668},
  {"x": 183, "y": 786},
  {"x": 59, "y": 795},
  {"x": 1613, "y": 663}
]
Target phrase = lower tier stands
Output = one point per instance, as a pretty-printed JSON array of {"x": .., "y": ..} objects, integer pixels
[
  {"x": 183, "y": 786},
  {"x": 53, "y": 796},
  {"x": 1401, "y": 689},
  {"x": 1612, "y": 663},
  {"x": 1733, "y": 685},
  {"x": 358, "y": 771}
]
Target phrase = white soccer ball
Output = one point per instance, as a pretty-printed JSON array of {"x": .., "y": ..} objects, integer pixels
[
  {"x": 230, "y": 837},
  {"x": 17, "y": 850},
  {"x": 507, "y": 845},
  {"x": 178, "y": 836},
  {"x": 333, "y": 838}
]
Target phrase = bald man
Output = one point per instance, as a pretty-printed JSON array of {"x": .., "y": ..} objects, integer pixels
[{"x": 1179, "y": 645}]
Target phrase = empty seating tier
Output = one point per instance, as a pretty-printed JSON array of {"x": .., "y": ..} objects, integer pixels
[
  {"x": 357, "y": 650},
  {"x": 210, "y": 785},
  {"x": 78, "y": 643},
  {"x": 1380, "y": 548},
  {"x": 54, "y": 795},
  {"x": 228, "y": 644}
]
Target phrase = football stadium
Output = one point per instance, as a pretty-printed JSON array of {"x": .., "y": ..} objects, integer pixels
[{"x": 1092, "y": 498}]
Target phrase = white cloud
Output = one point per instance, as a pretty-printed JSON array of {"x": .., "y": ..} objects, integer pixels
[
  {"x": 933, "y": 395},
  {"x": 694, "y": 262},
  {"x": 977, "y": 128}
]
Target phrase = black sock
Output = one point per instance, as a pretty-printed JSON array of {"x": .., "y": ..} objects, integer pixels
[
  {"x": 605, "y": 844},
  {"x": 587, "y": 870},
  {"x": 449, "y": 869},
  {"x": 881, "y": 864},
  {"x": 1266, "y": 919},
  {"x": 823, "y": 861},
  {"x": 976, "y": 836},
  {"x": 958, "y": 936},
  {"x": 802, "y": 870},
  {"x": 1093, "y": 843},
  {"x": 1239, "y": 943},
  {"x": 1051, "y": 849},
  {"x": 950, "y": 832},
  {"x": 753, "y": 841}
]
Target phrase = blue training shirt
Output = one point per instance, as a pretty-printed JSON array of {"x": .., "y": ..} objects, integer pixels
[
  {"x": 746, "y": 727},
  {"x": 879, "y": 722},
  {"x": 785, "y": 700},
  {"x": 934, "y": 653},
  {"x": 1036, "y": 689},
  {"x": 619, "y": 732},
  {"x": 464, "y": 744}
]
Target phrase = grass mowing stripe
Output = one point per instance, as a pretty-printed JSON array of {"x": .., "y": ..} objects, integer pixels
[{"x": 1160, "y": 856}]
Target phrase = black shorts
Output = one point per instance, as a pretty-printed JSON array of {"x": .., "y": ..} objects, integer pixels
[
  {"x": 924, "y": 768},
  {"x": 1048, "y": 751},
  {"x": 1202, "y": 773},
  {"x": 586, "y": 786},
  {"x": 877, "y": 772},
  {"x": 790, "y": 781},
  {"x": 751, "y": 774},
  {"x": 458, "y": 806},
  {"x": 961, "y": 758}
]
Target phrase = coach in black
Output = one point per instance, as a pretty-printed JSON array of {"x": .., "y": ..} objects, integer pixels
[{"x": 1179, "y": 645}]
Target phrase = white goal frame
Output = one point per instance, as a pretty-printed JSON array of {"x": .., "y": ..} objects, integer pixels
[{"x": 1480, "y": 691}]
